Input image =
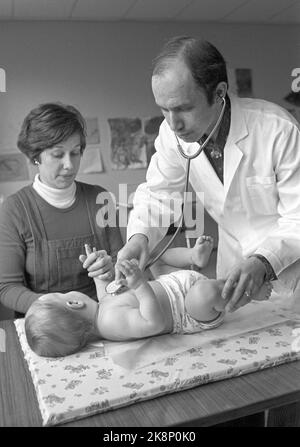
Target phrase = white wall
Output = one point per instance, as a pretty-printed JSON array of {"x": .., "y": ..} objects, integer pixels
[{"x": 104, "y": 69}]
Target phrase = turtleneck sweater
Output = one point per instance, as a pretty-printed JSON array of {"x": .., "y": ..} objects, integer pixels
[{"x": 60, "y": 198}]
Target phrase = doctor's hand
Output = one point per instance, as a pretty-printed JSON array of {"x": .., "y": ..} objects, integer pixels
[
  {"x": 243, "y": 283},
  {"x": 136, "y": 248}
]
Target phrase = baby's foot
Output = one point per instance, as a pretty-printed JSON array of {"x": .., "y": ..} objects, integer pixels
[
  {"x": 202, "y": 250},
  {"x": 264, "y": 292}
]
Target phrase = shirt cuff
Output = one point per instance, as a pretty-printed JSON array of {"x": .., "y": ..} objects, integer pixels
[{"x": 270, "y": 274}]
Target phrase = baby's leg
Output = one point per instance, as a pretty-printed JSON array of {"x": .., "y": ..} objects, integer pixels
[
  {"x": 203, "y": 306},
  {"x": 202, "y": 250}
]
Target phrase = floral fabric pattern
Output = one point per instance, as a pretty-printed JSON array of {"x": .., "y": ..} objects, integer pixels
[{"x": 108, "y": 375}]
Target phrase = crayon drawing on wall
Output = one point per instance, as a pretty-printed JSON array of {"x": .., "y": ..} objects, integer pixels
[
  {"x": 132, "y": 141},
  {"x": 13, "y": 167},
  {"x": 91, "y": 160}
]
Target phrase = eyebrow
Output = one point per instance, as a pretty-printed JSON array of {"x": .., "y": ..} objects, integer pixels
[
  {"x": 60, "y": 146},
  {"x": 174, "y": 108}
]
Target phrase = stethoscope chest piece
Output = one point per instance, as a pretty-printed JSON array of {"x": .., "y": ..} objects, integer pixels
[{"x": 113, "y": 288}]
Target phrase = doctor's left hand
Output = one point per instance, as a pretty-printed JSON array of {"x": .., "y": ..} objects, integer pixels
[{"x": 243, "y": 283}]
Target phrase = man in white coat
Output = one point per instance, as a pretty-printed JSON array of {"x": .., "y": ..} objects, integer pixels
[{"x": 249, "y": 172}]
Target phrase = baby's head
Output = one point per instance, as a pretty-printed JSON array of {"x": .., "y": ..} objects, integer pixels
[{"x": 55, "y": 327}]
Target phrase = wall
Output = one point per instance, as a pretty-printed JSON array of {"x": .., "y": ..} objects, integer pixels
[{"x": 104, "y": 69}]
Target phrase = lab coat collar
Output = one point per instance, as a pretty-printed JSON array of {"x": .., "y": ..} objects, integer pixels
[
  {"x": 238, "y": 128},
  {"x": 232, "y": 150}
]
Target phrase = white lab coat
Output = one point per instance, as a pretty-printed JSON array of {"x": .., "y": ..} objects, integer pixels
[{"x": 258, "y": 207}]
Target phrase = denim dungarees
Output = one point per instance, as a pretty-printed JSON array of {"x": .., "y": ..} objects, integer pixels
[{"x": 56, "y": 264}]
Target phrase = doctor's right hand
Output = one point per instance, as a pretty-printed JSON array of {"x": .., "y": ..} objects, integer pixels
[{"x": 136, "y": 248}]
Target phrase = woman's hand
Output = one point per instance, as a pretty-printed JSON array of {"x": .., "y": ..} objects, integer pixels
[
  {"x": 243, "y": 283},
  {"x": 132, "y": 273},
  {"x": 98, "y": 263}
]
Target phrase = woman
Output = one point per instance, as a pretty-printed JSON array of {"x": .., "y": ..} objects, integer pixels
[{"x": 44, "y": 226}]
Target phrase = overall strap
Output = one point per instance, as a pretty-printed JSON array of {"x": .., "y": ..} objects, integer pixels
[
  {"x": 36, "y": 225},
  {"x": 90, "y": 194}
]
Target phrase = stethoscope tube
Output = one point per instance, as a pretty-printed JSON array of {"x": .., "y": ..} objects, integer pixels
[
  {"x": 188, "y": 158},
  {"x": 112, "y": 288},
  {"x": 203, "y": 145},
  {"x": 152, "y": 261}
]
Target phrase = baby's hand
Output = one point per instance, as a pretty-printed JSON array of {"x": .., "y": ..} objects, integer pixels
[
  {"x": 133, "y": 274},
  {"x": 202, "y": 250},
  {"x": 98, "y": 263}
]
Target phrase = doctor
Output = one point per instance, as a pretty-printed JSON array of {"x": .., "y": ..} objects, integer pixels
[{"x": 249, "y": 172}]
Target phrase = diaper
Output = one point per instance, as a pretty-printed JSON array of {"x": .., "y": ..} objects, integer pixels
[{"x": 177, "y": 284}]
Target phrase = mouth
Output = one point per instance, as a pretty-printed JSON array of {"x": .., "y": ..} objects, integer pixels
[{"x": 67, "y": 176}]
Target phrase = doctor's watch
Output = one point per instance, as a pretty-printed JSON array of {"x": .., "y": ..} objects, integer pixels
[{"x": 270, "y": 274}]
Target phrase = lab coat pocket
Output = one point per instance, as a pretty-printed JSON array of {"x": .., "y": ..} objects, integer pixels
[{"x": 262, "y": 192}]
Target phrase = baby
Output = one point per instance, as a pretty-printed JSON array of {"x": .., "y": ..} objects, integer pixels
[{"x": 181, "y": 302}]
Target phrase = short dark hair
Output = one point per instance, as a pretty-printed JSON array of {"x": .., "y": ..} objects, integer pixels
[
  {"x": 47, "y": 125},
  {"x": 207, "y": 65}
]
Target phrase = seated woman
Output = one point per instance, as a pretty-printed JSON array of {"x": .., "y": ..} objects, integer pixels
[
  {"x": 181, "y": 302},
  {"x": 44, "y": 226}
]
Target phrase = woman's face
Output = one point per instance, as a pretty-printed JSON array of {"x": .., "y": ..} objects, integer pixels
[{"x": 59, "y": 164}]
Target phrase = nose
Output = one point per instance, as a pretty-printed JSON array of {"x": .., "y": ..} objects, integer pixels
[
  {"x": 175, "y": 122},
  {"x": 67, "y": 162}
]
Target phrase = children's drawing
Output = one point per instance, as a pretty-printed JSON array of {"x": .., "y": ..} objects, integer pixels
[
  {"x": 92, "y": 131},
  {"x": 13, "y": 168},
  {"x": 151, "y": 129},
  {"x": 244, "y": 82},
  {"x": 127, "y": 143}
]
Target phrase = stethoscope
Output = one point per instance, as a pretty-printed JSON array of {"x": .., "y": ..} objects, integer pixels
[{"x": 114, "y": 288}]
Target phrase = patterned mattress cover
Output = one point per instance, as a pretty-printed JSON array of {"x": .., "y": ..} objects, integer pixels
[{"x": 108, "y": 375}]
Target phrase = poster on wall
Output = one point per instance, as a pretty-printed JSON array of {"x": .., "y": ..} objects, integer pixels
[
  {"x": 151, "y": 129},
  {"x": 243, "y": 78},
  {"x": 132, "y": 141},
  {"x": 13, "y": 167},
  {"x": 128, "y": 148},
  {"x": 91, "y": 161},
  {"x": 92, "y": 131}
]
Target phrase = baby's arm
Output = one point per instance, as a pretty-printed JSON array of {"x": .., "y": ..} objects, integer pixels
[
  {"x": 98, "y": 260},
  {"x": 184, "y": 257},
  {"x": 149, "y": 320}
]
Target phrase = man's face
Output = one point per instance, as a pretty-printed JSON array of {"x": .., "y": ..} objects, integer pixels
[{"x": 183, "y": 103}]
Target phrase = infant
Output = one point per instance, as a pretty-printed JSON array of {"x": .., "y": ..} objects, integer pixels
[{"x": 184, "y": 301}]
